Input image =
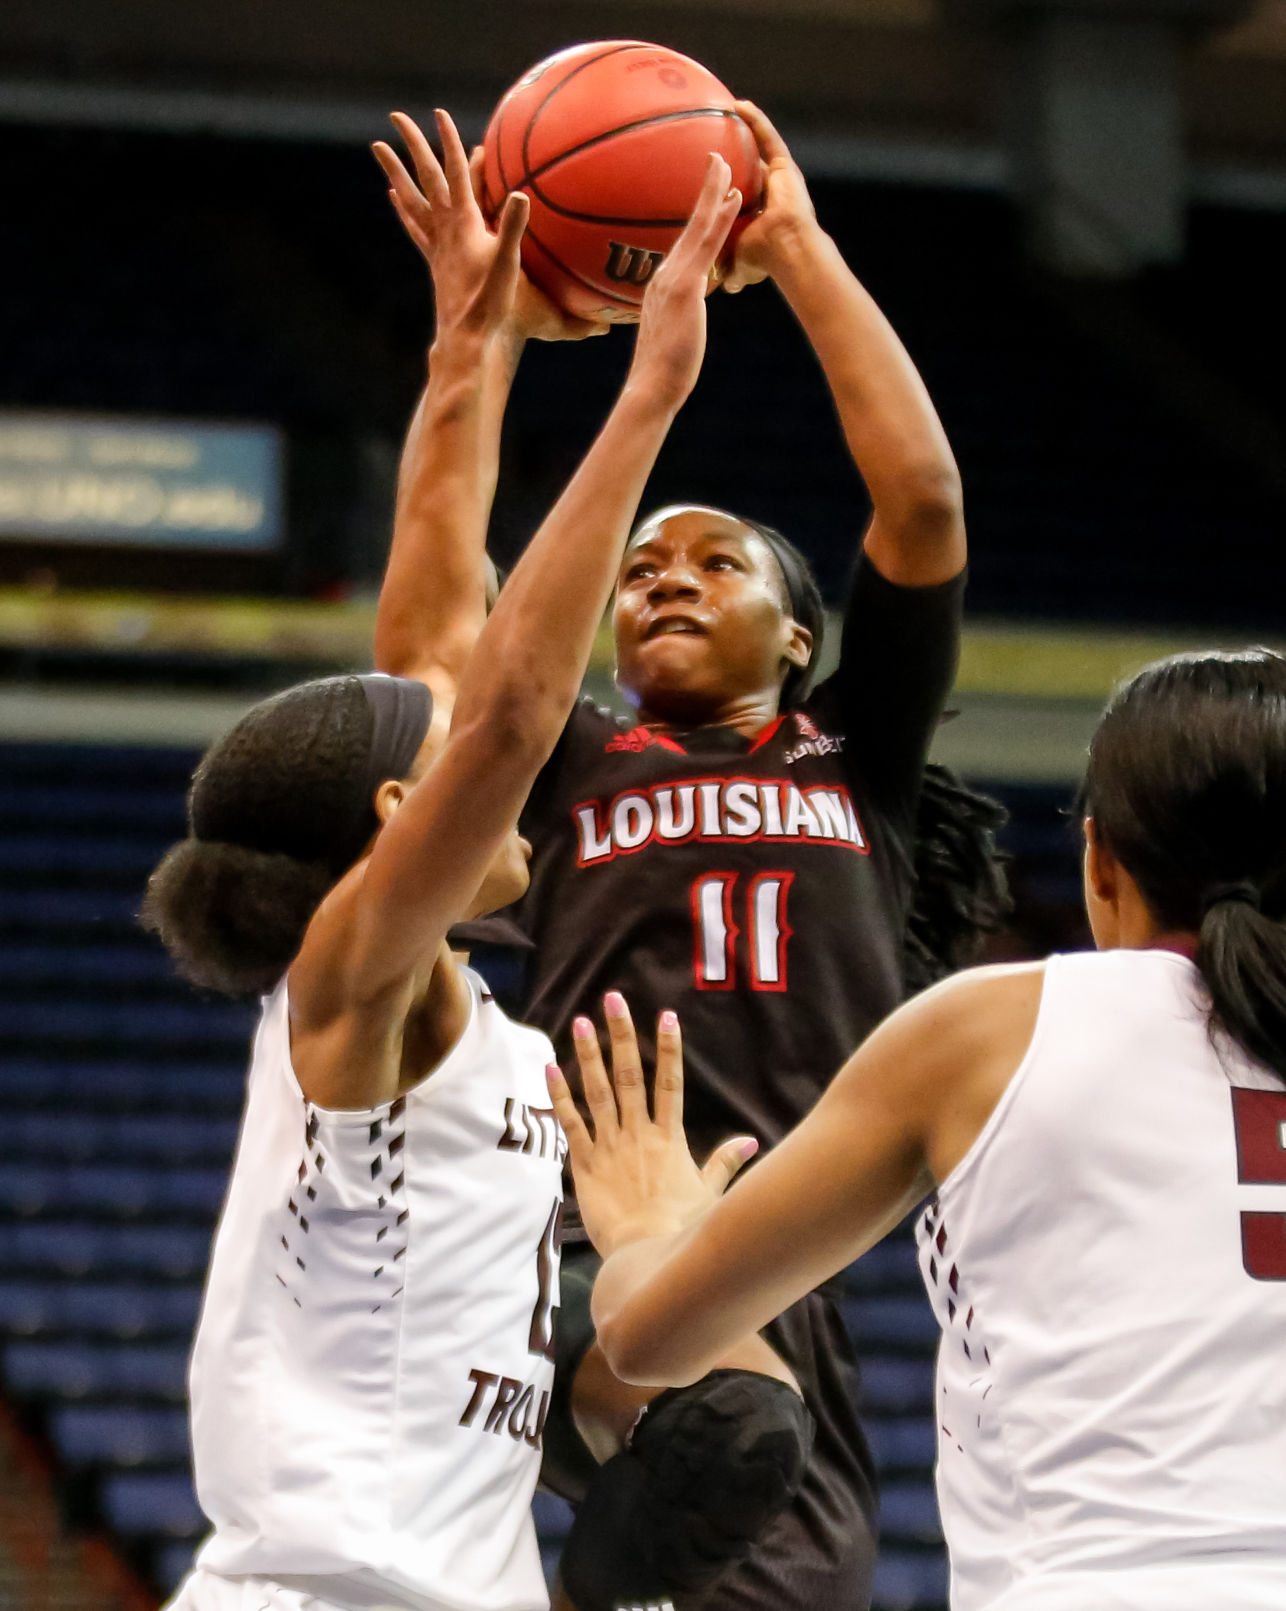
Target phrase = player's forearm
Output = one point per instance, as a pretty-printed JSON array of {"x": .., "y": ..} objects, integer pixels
[
  {"x": 541, "y": 632},
  {"x": 893, "y": 431},
  {"x": 433, "y": 600}
]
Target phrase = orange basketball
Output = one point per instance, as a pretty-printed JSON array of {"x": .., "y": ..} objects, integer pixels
[{"x": 611, "y": 141}]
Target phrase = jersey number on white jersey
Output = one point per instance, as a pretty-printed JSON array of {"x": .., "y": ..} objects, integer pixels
[{"x": 1259, "y": 1118}]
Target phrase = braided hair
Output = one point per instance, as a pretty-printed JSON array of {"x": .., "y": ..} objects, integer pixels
[{"x": 961, "y": 892}]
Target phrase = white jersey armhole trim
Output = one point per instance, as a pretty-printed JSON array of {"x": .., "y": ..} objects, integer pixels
[
  {"x": 1009, "y": 1095},
  {"x": 360, "y": 1116}
]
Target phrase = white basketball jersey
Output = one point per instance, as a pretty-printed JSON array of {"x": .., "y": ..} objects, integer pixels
[
  {"x": 372, "y": 1368},
  {"x": 1108, "y": 1265}
]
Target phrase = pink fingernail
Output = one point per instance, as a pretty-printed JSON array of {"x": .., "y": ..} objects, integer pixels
[
  {"x": 582, "y": 1029},
  {"x": 614, "y": 1004},
  {"x": 749, "y": 1147},
  {"x": 553, "y": 1073},
  {"x": 669, "y": 1020}
]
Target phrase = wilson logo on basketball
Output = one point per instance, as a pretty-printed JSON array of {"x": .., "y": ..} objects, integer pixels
[{"x": 631, "y": 265}]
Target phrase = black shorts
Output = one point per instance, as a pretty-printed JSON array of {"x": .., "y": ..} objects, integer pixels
[{"x": 820, "y": 1553}]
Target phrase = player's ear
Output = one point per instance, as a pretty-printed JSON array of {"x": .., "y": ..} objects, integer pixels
[
  {"x": 799, "y": 644},
  {"x": 388, "y": 797}
]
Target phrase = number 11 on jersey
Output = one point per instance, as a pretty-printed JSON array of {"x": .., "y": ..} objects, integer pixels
[{"x": 716, "y": 930}]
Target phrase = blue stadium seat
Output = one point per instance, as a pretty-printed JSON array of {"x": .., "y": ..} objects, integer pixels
[
  {"x": 72, "y": 804},
  {"x": 75, "y": 1247},
  {"x": 73, "y": 965},
  {"x": 132, "y": 1086},
  {"x": 65, "y": 853},
  {"x": 52, "y": 909},
  {"x": 146, "y": 1503},
  {"x": 907, "y": 1581},
  {"x": 108, "y": 1189},
  {"x": 553, "y": 1516},
  {"x": 170, "y": 1565},
  {"x": 75, "y": 1370},
  {"x": 895, "y": 1386},
  {"x": 888, "y": 1265},
  {"x": 905, "y": 1443},
  {"x": 120, "y": 1435},
  {"x": 126, "y": 1021},
  {"x": 875, "y": 1322},
  {"x": 127, "y": 1137},
  {"x": 111, "y": 1309},
  {"x": 909, "y": 1511}
]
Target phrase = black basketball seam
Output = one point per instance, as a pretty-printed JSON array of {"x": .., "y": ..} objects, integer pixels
[
  {"x": 572, "y": 274},
  {"x": 629, "y": 44},
  {"x": 506, "y": 107},
  {"x": 532, "y": 174},
  {"x": 529, "y": 179}
]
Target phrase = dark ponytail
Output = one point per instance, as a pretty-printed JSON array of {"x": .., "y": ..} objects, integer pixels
[
  {"x": 961, "y": 893},
  {"x": 278, "y": 809},
  {"x": 1187, "y": 789}
]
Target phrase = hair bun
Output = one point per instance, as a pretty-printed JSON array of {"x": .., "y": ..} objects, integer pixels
[{"x": 232, "y": 918}]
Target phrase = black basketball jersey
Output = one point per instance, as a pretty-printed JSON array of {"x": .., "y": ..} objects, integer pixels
[{"x": 758, "y": 886}]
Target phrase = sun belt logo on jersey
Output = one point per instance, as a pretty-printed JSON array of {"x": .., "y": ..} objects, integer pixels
[{"x": 722, "y": 809}]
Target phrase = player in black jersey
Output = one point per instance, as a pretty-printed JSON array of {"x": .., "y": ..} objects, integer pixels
[{"x": 744, "y": 853}]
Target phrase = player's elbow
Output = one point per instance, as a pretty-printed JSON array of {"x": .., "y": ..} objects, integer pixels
[
  {"x": 640, "y": 1358},
  {"x": 931, "y": 502}
]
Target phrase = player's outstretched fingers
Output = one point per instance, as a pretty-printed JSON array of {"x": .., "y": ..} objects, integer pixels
[
  {"x": 627, "y": 1064},
  {"x": 712, "y": 217},
  {"x": 579, "y": 1141},
  {"x": 455, "y": 162},
  {"x": 667, "y": 1082},
  {"x": 429, "y": 170},
  {"x": 599, "y": 1096},
  {"x": 404, "y": 189},
  {"x": 726, "y": 1161}
]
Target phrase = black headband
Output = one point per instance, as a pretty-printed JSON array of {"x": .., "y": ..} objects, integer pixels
[
  {"x": 401, "y": 710},
  {"x": 793, "y": 574}
]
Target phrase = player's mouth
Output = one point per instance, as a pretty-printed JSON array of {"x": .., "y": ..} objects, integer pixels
[{"x": 665, "y": 626}]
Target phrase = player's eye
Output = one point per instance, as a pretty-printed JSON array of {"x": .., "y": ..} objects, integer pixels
[
  {"x": 721, "y": 562},
  {"x": 639, "y": 572}
]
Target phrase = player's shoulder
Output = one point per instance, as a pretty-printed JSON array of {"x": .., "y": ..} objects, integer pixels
[{"x": 975, "y": 1008}]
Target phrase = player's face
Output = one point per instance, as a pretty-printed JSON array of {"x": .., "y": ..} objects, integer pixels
[{"x": 700, "y": 617}]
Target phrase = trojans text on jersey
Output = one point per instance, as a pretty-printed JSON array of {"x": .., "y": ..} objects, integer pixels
[{"x": 716, "y": 809}]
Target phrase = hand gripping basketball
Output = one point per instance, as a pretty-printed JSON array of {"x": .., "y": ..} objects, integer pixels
[
  {"x": 787, "y": 209},
  {"x": 672, "y": 327}
]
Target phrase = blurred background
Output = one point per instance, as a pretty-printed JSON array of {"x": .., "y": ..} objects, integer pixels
[{"x": 212, "y": 334}]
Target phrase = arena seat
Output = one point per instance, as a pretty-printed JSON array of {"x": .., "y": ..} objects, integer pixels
[
  {"x": 147, "y": 1504},
  {"x": 62, "y": 1370},
  {"x": 74, "y": 1247},
  {"x": 907, "y": 1580},
  {"x": 119, "y": 1435}
]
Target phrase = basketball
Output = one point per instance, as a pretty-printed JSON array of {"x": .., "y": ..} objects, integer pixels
[{"x": 611, "y": 141}]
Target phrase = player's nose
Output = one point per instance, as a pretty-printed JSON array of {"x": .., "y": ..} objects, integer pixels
[{"x": 675, "y": 581}]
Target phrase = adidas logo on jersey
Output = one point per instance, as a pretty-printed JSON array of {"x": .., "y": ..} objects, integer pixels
[{"x": 736, "y": 809}]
